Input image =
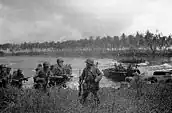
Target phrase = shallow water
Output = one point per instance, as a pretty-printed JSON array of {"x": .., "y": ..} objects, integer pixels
[{"x": 28, "y": 64}]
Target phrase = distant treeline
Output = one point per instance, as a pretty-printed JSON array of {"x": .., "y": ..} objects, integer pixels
[{"x": 133, "y": 44}]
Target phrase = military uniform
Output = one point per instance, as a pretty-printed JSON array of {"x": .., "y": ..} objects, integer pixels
[
  {"x": 17, "y": 78},
  {"x": 37, "y": 70},
  {"x": 68, "y": 69},
  {"x": 43, "y": 76},
  {"x": 90, "y": 81},
  {"x": 137, "y": 84},
  {"x": 58, "y": 70},
  {"x": 3, "y": 77},
  {"x": 9, "y": 74}
]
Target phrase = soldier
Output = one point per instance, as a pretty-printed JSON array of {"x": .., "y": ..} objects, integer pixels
[
  {"x": 59, "y": 71},
  {"x": 9, "y": 74},
  {"x": 97, "y": 64},
  {"x": 89, "y": 80},
  {"x": 137, "y": 83},
  {"x": 116, "y": 67},
  {"x": 3, "y": 76},
  {"x": 121, "y": 68},
  {"x": 51, "y": 67},
  {"x": 43, "y": 76},
  {"x": 39, "y": 68},
  {"x": 68, "y": 69},
  {"x": 59, "y": 67},
  {"x": 17, "y": 78},
  {"x": 136, "y": 69}
]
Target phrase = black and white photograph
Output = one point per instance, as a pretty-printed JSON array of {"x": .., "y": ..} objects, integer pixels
[{"x": 85, "y": 56}]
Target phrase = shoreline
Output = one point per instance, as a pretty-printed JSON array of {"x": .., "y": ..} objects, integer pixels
[{"x": 95, "y": 54}]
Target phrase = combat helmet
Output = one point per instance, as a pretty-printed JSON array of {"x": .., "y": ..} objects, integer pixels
[
  {"x": 60, "y": 60},
  {"x": 39, "y": 65},
  {"x": 3, "y": 66},
  {"x": 9, "y": 68},
  {"x": 90, "y": 61},
  {"x": 46, "y": 64}
]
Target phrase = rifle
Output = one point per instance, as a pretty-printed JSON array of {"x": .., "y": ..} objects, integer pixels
[
  {"x": 21, "y": 79},
  {"x": 80, "y": 85},
  {"x": 80, "y": 89},
  {"x": 25, "y": 78}
]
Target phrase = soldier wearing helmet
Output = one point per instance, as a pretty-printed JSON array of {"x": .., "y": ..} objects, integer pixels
[
  {"x": 8, "y": 70},
  {"x": 3, "y": 76},
  {"x": 9, "y": 74},
  {"x": 89, "y": 79},
  {"x": 17, "y": 78},
  {"x": 43, "y": 75},
  {"x": 3, "y": 69},
  {"x": 46, "y": 69},
  {"x": 46, "y": 65},
  {"x": 59, "y": 73},
  {"x": 58, "y": 68},
  {"x": 39, "y": 68},
  {"x": 60, "y": 60}
]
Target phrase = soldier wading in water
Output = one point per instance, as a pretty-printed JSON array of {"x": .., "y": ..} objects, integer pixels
[{"x": 89, "y": 80}]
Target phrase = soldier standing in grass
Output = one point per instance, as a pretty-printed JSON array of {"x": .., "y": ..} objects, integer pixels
[
  {"x": 59, "y": 70},
  {"x": 43, "y": 75},
  {"x": 3, "y": 76},
  {"x": 17, "y": 78},
  {"x": 89, "y": 80},
  {"x": 9, "y": 74},
  {"x": 37, "y": 70},
  {"x": 138, "y": 84}
]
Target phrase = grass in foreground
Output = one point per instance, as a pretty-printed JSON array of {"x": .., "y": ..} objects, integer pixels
[{"x": 153, "y": 98}]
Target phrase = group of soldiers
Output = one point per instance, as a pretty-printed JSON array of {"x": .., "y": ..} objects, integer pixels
[
  {"x": 119, "y": 67},
  {"x": 130, "y": 68},
  {"x": 88, "y": 80},
  {"x": 7, "y": 77},
  {"x": 51, "y": 75}
]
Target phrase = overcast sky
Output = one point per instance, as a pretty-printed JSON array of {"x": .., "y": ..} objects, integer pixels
[{"x": 47, "y": 20}]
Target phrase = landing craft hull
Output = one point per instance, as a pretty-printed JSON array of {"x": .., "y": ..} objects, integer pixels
[
  {"x": 133, "y": 61},
  {"x": 115, "y": 76}
]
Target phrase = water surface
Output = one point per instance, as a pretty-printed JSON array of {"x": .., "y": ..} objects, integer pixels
[{"x": 28, "y": 64}]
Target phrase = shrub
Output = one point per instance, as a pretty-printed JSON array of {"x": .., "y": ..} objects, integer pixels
[{"x": 155, "y": 97}]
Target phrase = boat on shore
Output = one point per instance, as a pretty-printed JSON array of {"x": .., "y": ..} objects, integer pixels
[
  {"x": 119, "y": 73},
  {"x": 160, "y": 76},
  {"x": 133, "y": 61}
]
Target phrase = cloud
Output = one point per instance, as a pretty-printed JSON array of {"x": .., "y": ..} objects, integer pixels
[
  {"x": 156, "y": 16},
  {"x": 43, "y": 30},
  {"x": 44, "y": 20}
]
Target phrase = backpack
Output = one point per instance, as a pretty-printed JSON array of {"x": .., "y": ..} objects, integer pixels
[{"x": 90, "y": 76}]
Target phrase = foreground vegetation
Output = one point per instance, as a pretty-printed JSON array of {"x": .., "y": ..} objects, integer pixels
[{"x": 151, "y": 98}]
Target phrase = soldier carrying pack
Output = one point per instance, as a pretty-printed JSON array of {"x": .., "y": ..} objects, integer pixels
[{"x": 89, "y": 81}]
